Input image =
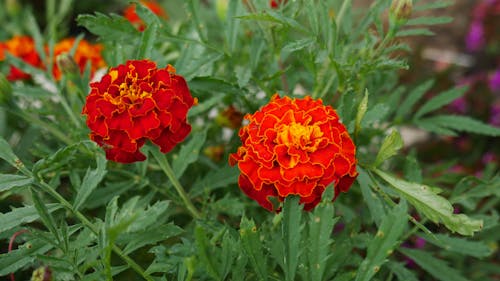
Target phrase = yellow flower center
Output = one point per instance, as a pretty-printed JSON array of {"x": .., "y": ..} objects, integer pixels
[
  {"x": 299, "y": 136},
  {"x": 129, "y": 92}
]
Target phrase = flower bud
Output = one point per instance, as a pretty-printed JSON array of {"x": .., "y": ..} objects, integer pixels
[
  {"x": 400, "y": 11},
  {"x": 12, "y": 7},
  {"x": 221, "y": 8},
  {"x": 42, "y": 274},
  {"x": 67, "y": 64}
]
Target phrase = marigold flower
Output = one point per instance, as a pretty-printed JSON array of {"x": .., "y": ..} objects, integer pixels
[
  {"x": 85, "y": 52},
  {"x": 135, "y": 102},
  {"x": 130, "y": 14},
  {"x": 294, "y": 147},
  {"x": 22, "y": 47}
]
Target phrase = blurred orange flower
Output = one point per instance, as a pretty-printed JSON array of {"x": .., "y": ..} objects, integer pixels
[
  {"x": 135, "y": 102},
  {"x": 22, "y": 47},
  {"x": 294, "y": 147},
  {"x": 130, "y": 14},
  {"x": 85, "y": 52},
  {"x": 276, "y": 3}
]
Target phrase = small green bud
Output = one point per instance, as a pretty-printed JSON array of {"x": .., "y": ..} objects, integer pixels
[
  {"x": 400, "y": 11},
  {"x": 221, "y": 8},
  {"x": 12, "y": 7},
  {"x": 67, "y": 64},
  {"x": 42, "y": 274}
]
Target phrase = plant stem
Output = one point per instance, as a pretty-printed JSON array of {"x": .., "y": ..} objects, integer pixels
[
  {"x": 136, "y": 267},
  {"x": 165, "y": 166}
]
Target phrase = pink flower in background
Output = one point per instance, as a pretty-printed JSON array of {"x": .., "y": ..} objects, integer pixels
[
  {"x": 475, "y": 38},
  {"x": 494, "y": 81},
  {"x": 495, "y": 115}
]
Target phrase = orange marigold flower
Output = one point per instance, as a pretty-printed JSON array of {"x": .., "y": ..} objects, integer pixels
[
  {"x": 85, "y": 52},
  {"x": 130, "y": 14},
  {"x": 294, "y": 147},
  {"x": 22, "y": 47},
  {"x": 135, "y": 102}
]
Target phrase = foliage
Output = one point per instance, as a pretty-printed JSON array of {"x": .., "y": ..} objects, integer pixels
[{"x": 92, "y": 219}]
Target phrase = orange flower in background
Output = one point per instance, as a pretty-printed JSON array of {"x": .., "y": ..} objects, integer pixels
[
  {"x": 85, "y": 52},
  {"x": 294, "y": 147},
  {"x": 135, "y": 102},
  {"x": 22, "y": 47},
  {"x": 130, "y": 14}
]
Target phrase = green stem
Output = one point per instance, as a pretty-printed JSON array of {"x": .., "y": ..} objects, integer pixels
[
  {"x": 136, "y": 267},
  {"x": 165, "y": 166}
]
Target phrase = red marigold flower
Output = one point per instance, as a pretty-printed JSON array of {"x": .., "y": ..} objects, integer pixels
[
  {"x": 130, "y": 14},
  {"x": 294, "y": 147},
  {"x": 135, "y": 102},
  {"x": 22, "y": 47},
  {"x": 85, "y": 52},
  {"x": 276, "y": 3}
]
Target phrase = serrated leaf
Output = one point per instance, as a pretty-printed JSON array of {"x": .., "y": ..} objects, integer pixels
[
  {"x": 232, "y": 25},
  {"x": 375, "y": 114},
  {"x": 22, "y": 215},
  {"x": 433, "y": 206},
  {"x": 17, "y": 259},
  {"x": 320, "y": 226},
  {"x": 390, "y": 146},
  {"x": 440, "y": 100},
  {"x": 384, "y": 242},
  {"x": 8, "y": 181},
  {"x": 189, "y": 153},
  {"x": 147, "y": 41},
  {"x": 436, "y": 267},
  {"x": 206, "y": 105},
  {"x": 297, "y": 45},
  {"x": 90, "y": 181},
  {"x": 112, "y": 27},
  {"x": 478, "y": 249},
  {"x": 243, "y": 75},
  {"x": 462, "y": 124},
  {"x": 204, "y": 253},
  {"x": 252, "y": 246},
  {"x": 430, "y": 126},
  {"x": 429, "y": 20},
  {"x": 60, "y": 158},
  {"x": 148, "y": 236},
  {"x": 206, "y": 84},
  {"x": 415, "y": 32},
  {"x": 146, "y": 14}
]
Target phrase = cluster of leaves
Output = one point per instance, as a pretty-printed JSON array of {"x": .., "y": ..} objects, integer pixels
[{"x": 90, "y": 219}]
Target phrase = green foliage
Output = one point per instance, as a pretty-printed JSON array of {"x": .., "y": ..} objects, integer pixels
[{"x": 181, "y": 215}]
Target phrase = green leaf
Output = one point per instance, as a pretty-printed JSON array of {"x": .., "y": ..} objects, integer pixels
[
  {"x": 148, "y": 236},
  {"x": 204, "y": 253},
  {"x": 206, "y": 105},
  {"x": 214, "y": 179},
  {"x": 433, "y": 206},
  {"x": 429, "y": 125},
  {"x": 401, "y": 271},
  {"x": 232, "y": 25},
  {"x": 415, "y": 32},
  {"x": 390, "y": 146},
  {"x": 384, "y": 242},
  {"x": 8, "y": 181},
  {"x": 375, "y": 204},
  {"x": 478, "y": 249},
  {"x": 194, "y": 10},
  {"x": 433, "y": 5},
  {"x": 22, "y": 215},
  {"x": 362, "y": 107},
  {"x": 291, "y": 233},
  {"x": 252, "y": 246},
  {"x": 376, "y": 114},
  {"x": 113, "y": 27},
  {"x": 462, "y": 124},
  {"x": 243, "y": 75},
  {"x": 429, "y": 20},
  {"x": 320, "y": 226},
  {"x": 8, "y": 155},
  {"x": 25, "y": 255},
  {"x": 440, "y": 100},
  {"x": 45, "y": 215},
  {"x": 436, "y": 267},
  {"x": 189, "y": 153},
  {"x": 148, "y": 38},
  {"x": 206, "y": 84},
  {"x": 297, "y": 45},
  {"x": 90, "y": 181},
  {"x": 146, "y": 14}
]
